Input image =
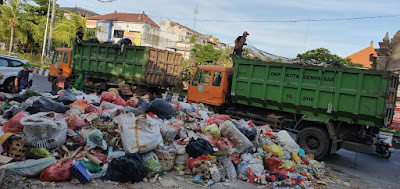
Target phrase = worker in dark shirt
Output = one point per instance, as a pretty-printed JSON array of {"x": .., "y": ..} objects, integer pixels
[
  {"x": 79, "y": 37},
  {"x": 22, "y": 80},
  {"x": 239, "y": 43},
  {"x": 80, "y": 82}
]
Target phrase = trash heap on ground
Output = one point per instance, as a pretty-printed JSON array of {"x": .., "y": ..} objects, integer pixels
[{"x": 78, "y": 136}]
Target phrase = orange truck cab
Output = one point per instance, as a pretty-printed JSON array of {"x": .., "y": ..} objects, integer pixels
[
  {"x": 210, "y": 85},
  {"x": 61, "y": 59}
]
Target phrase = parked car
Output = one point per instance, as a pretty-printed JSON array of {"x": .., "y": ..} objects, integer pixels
[{"x": 9, "y": 68}]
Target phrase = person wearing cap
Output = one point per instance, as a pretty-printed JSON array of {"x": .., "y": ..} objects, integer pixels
[
  {"x": 22, "y": 80},
  {"x": 239, "y": 43},
  {"x": 80, "y": 82}
]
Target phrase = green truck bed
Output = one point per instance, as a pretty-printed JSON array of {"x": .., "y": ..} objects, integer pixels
[
  {"x": 135, "y": 65},
  {"x": 356, "y": 96}
]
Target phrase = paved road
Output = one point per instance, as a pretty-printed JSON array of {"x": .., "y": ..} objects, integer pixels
[
  {"x": 369, "y": 170},
  {"x": 40, "y": 84}
]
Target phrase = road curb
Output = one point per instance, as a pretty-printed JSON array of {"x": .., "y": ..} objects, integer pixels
[{"x": 41, "y": 71}]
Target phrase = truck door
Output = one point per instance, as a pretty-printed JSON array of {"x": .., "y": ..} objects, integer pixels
[
  {"x": 217, "y": 93},
  {"x": 199, "y": 89}
]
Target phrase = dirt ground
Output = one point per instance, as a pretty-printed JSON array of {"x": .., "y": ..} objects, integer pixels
[{"x": 335, "y": 180}]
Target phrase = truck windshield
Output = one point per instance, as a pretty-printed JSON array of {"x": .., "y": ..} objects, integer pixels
[
  {"x": 201, "y": 77},
  {"x": 217, "y": 79},
  {"x": 57, "y": 57}
]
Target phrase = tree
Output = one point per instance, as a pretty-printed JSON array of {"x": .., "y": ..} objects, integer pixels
[
  {"x": 324, "y": 55},
  {"x": 192, "y": 39},
  {"x": 65, "y": 29},
  {"x": 10, "y": 13},
  {"x": 206, "y": 54}
]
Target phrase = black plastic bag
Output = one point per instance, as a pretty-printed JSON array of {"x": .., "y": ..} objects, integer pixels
[
  {"x": 250, "y": 133},
  {"x": 46, "y": 105},
  {"x": 130, "y": 167},
  {"x": 125, "y": 41},
  {"x": 198, "y": 147},
  {"x": 161, "y": 108},
  {"x": 67, "y": 97},
  {"x": 133, "y": 110},
  {"x": 20, "y": 98},
  {"x": 142, "y": 105}
]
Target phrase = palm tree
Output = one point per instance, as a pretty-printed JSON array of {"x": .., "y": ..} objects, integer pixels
[
  {"x": 10, "y": 14},
  {"x": 66, "y": 28}
]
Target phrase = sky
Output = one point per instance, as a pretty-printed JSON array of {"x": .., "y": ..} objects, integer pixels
[{"x": 341, "y": 37}]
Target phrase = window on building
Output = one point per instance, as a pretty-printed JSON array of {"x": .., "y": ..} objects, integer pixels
[
  {"x": 201, "y": 77},
  {"x": 3, "y": 62},
  {"x": 118, "y": 33},
  {"x": 217, "y": 79}
]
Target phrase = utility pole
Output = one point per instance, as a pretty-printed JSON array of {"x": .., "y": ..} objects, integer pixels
[
  {"x": 53, "y": 18},
  {"x": 45, "y": 32},
  {"x": 196, "y": 11}
]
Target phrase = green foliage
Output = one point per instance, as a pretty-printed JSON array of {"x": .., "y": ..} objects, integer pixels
[
  {"x": 65, "y": 29},
  {"x": 192, "y": 39},
  {"x": 324, "y": 55},
  {"x": 206, "y": 54},
  {"x": 225, "y": 59}
]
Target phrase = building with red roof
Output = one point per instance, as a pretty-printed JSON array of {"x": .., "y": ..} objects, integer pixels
[{"x": 364, "y": 56}]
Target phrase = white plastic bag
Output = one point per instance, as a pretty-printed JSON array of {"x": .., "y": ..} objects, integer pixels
[
  {"x": 31, "y": 167},
  {"x": 287, "y": 142},
  {"x": 139, "y": 134},
  {"x": 45, "y": 129},
  {"x": 240, "y": 141},
  {"x": 107, "y": 105}
]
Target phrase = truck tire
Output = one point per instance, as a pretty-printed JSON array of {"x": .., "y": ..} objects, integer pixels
[{"x": 314, "y": 140}]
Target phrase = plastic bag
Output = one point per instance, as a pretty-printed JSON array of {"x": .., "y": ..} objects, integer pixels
[
  {"x": 106, "y": 96},
  {"x": 93, "y": 138},
  {"x": 194, "y": 162},
  {"x": 46, "y": 129},
  {"x": 275, "y": 149},
  {"x": 228, "y": 166},
  {"x": 40, "y": 152},
  {"x": 242, "y": 170},
  {"x": 161, "y": 108},
  {"x": 119, "y": 101},
  {"x": 31, "y": 167},
  {"x": 74, "y": 122},
  {"x": 93, "y": 168},
  {"x": 130, "y": 167},
  {"x": 240, "y": 141},
  {"x": 94, "y": 109},
  {"x": 132, "y": 102},
  {"x": 213, "y": 131},
  {"x": 142, "y": 105},
  {"x": 287, "y": 165},
  {"x": 152, "y": 164},
  {"x": 108, "y": 105},
  {"x": 139, "y": 134},
  {"x": 186, "y": 106},
  {"x": 102, "y": 157},
  {"x": 199, "y": 147},
  {"x": 130, "y": 109},
  {"x": 287, "y": 142},
  {"x": 67, "y": 97},
  {"x": 248, "y": 131},
  {"x": 56, "y": 173},
  {"x": 224, "y": 143},
  {"x": 181, "y": 159},
  {"x": 168, "y": 133},
  {"x": 114, "y": 155},
  {"x": 46, "y": 105},
  {"x": 273, "y": 164},
  {"x": 13, "y": 125},
  {"x": 80, "y": 104}
]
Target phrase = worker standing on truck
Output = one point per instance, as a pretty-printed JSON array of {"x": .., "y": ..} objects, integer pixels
[
  {"x": 80, "y": 82},
  {"x": 22, "y": 80},
  {"x": 79, "y": 37},
  {"x": 60, "y": 79},
  {"x": 239, "y": 43}
]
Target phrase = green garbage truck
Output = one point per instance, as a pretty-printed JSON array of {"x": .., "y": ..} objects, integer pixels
[
  {"x": 328, "y": 107},
  {"x": 132, "y": 69}
]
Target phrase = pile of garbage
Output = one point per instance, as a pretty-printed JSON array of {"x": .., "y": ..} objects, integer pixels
[{"x": 78, "y": 136}]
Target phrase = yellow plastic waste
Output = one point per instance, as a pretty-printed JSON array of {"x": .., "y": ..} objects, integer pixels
[
  {"x": 213, "y": 131},
  {"x": 41, "y": 152},
  {"x": 275, "y": 149},
  {"x": 295, "y": 157},
  {"x": 287, "y": 165}
]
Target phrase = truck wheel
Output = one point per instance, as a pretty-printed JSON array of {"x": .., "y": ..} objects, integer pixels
[{"x": 314, "y": 140}]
